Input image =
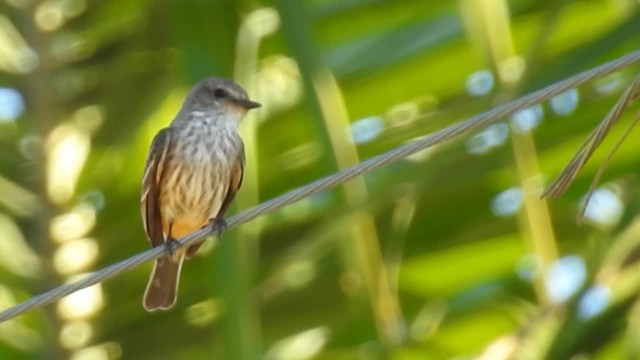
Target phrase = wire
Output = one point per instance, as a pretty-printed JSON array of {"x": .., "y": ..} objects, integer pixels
[{"x": 455, "y": 130}]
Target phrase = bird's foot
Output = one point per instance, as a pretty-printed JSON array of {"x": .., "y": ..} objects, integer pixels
[
  {"x": 174, "y": 248},
  {"x": 219, "y": 225}
]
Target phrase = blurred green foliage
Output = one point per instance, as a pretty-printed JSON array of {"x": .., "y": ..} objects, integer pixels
[{"x": 447, "y": 254}]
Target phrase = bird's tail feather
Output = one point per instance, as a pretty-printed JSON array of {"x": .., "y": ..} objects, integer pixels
[{"x": 163, "y": 284}]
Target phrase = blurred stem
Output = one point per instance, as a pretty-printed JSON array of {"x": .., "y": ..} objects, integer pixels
[
  {"x": 489, "y": 24},
  {"x": 40, "y": 96},
  {"x": 332, "y": 128},
  {"x": 365, "y": 246},
  {"x": 239, "y": 256},
  {"x": 537, "y": 220},
  {"x": 404, "y": 210}
]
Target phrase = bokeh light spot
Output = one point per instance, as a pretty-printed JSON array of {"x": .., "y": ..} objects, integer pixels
[
  {"x": 11, "y": 104},
  {"x": 81, "y": 304},
  {"x": 107, "y": 351},
  {"x": 94, "y": 198},
  {"x": 49, "y": 15},
  {"x": 404, "y": 114},
  {"x": 89, "y": 118},
  {"x": 15, "y": 55},
  {"x": 507, "y": 202},
  {"x": 75, "y": 334},
  {"x": 594, "y": 301},
  {"x": 30, "y": 146},
  {"x": 565, "y": 276},
  {"x": 74, "y": 224},
  {"x": 527, "y": 119},
  {"x": 279, "y": 84},
  {"x": 367, "y": 129},
  {"x": 493, "y": 136},
  {"x": 480, "y": 83},
  {"x": 608, "y": 84},
  {"x": 565, "y": 103},
  {"x": 605, "y": 208},
  {"x": 68, "y": 147},
  {"x": 203, "y": 313},
  {"x": 301, "y": 346},
  {"x": 75, "y": 256}
]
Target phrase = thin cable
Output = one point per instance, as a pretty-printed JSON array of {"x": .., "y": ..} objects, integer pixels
[{"x": 474, "y": 123}]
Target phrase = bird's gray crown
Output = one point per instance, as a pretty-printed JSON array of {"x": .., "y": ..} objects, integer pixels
[{"x": 215, "y": 91}]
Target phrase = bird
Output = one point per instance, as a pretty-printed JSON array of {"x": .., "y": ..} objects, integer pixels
[{"x": 192, "y": 173}]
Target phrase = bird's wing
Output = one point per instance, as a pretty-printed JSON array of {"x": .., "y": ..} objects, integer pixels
[
  {"x": 237, "y": 174},
  {"x": 150, "y": 200}
]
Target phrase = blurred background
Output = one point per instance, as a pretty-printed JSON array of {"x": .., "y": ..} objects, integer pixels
[{"x": 446, "y": 254}]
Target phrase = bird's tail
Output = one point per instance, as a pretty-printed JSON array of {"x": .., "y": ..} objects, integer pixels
[{"x": 163, "y": 284}]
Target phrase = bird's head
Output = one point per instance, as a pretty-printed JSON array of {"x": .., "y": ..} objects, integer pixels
[{"x": 219, "y": 97}]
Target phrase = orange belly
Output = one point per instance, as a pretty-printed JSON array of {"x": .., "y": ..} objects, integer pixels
[{"x": 183, "y": 226}]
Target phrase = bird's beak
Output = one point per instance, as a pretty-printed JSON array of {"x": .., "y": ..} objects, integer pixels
[{"x": 247, "y": 104}]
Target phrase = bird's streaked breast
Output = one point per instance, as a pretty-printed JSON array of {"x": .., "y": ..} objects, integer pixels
[{"x": 198, "y": 171}]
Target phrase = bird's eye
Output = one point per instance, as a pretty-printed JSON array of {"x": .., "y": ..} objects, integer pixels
[{"x": 219, "y": 93}]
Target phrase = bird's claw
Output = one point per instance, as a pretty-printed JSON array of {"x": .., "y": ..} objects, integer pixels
[
  {"x": 173, "y": 247},
  {"x": 219, "y": 225}
]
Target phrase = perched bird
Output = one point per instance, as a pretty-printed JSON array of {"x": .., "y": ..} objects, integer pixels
[{"x": 194, "y": 168}]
